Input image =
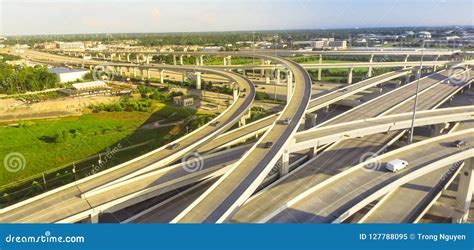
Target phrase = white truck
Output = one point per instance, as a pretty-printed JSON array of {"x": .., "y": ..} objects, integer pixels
[{"x": 396, "y": 165}]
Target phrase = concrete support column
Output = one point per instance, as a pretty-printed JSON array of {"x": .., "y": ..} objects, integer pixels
[
  {"x": 242, "y": 121},
  {"x": 181, "y": 60},
  {"x": 235, "y": 94},
  {"x": 369, "y": 73},
  {"x": 134, "y": 72},
  {"x": 278, "y": 76},
  {"x": 285, "y": 163},
  {"x": 198, "y": 80},
  {"x": 435, "y": 67},
  {"x": 138, "y": 58},
  {"x": 162, "y": 76},
  {"x": 349, "y": 78},
  {"x": 120, "y": 57},
  {"x": 147, "y": 59},
  {"x": 128, "y": 57},
  {"x": 320, "y": 70},
  {"x": 312, "y": 152},
  {"x": 174, "y": 60},
  {"x": 94, "y": 218},
  {"x": 148, "y": 74},
  {"x": 197, "y": 61},
  {"x": 437, "y": 129},
  {"x": 406, "y": 60},
  {"x": 201, "y": 60},
  {"x": 267, "y": 76},
  {"x": 229, "y": 60},
  {"x": 183, "y": 78},
  {"x": 310, "y": 120},
  {"x": 120, "y": 71},
  {"x": 464, "y": 193},
  {"x": 103, "y": 57},
  {"x": 142, "y": 75}
]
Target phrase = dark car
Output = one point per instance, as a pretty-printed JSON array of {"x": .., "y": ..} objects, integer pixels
[
  {"x": 268, "y": 144},
  {"x": 243, "y": 95},
  {"x": 459, "y": 143},
  {"x": 173, "y": 146},
  {"x": 244, "y": 90}
]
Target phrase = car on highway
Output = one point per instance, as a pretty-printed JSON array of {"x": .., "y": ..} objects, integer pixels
[
  {"x": 244, "y": 90},
  {"x": 268, "y": 144},
  {"x": 287, "y": 121},
  {"x": 459, "y": 143},
  {"x": 215, "y": 123},
  {"x": 243, "y": 95},
  {"x": 396, "y": 165},
  {"x": 173, "y": 146}
]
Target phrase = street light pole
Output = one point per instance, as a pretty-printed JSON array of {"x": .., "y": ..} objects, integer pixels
[{"x": 410, "y": 136}]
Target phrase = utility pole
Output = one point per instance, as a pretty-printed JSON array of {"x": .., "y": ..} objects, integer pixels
[{"x": 410, "y": 136}]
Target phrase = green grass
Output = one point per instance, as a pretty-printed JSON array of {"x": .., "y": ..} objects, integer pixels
[{"x": 88, "y": 135}]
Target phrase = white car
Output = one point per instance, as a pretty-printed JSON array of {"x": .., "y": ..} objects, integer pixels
[{"x": 396, "y": 165}]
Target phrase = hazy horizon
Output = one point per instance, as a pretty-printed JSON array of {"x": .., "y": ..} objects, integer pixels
[{"x": 62, "y": 17}]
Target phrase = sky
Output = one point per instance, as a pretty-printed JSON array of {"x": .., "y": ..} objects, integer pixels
[{"x": 31, "y": 17}]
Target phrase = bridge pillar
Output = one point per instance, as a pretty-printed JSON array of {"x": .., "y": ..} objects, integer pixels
[
  {"x": 464, "y": 193},
  {"x": 242, "y": 121},
  {"x": 183, "y": 76},
  {"x": 112, "y": 57},
  {"x": 197, "y": 60},
  {"x": 201, "y": 60},
  {"x": 369, "y": 73},
  {"x": 181, "y": 60},
  {"x": 162, "y": 76},
  {"x": 312, "y": 152},
  {"x": 94, "y": 218},
  {"x": 267, "y": 76},
  {"x": 147, "y": 59},
  {"x": 229, "y": 60},
  {"x": 103, "y": 57},
  {"x": 437, "y": 129},
  {"x": 349, "y": 78},
  {"x": 320, "y": 70},
  {"x": 278, "y": 76},
  {"x": 406, "y": 60},
  {"x": 148, "y": 74},
  {"x": 285, "y": 163},
  {"x": 137, "y": 58},
  {"x": 310, "y": 120},
  {"x": 235, "y": 94},
  {"x": 198, "y": 80},
  {"x": 174, "y": 60},
  {"x": 119, "y": 57},
  {"x": 128, "y": 57},
  {"x": 142, "y": 75},
  {"x": 120, "y": 71},
  {"x": 134, "y": 72},
  {"x": 436, "y": 66}
]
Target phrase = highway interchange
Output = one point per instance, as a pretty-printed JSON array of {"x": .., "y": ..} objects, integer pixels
[{"x": 328, "y": 184}]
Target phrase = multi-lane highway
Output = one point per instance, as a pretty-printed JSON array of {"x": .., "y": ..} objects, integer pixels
[
  {"x": 231, "y": 190},
  {"x": 228, "y": 178}
]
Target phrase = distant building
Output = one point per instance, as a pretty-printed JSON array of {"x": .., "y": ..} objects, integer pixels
[
  {"x": 68, "y": 75},
  {"x": 71, "y": 45},
  {"x": 424, "y": 34},
  {"x": 88, "y": 86},
  {"x": 184, "y": 101}
]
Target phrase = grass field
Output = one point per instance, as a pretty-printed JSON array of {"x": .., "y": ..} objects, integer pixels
[{"x": 87, "y": 135}]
